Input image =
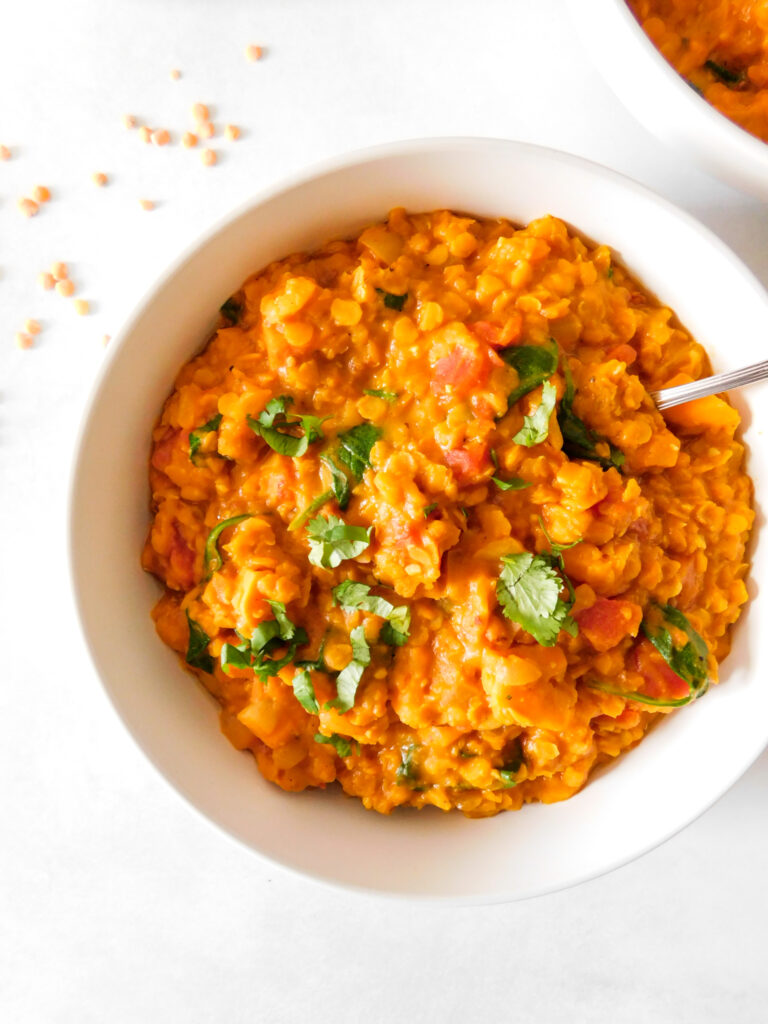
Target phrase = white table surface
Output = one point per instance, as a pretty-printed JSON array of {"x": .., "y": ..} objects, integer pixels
[{"x": 116, "y": 903}]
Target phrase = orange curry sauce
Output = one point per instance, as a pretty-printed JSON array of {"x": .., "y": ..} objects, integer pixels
[{"x": 443, "y": 678}]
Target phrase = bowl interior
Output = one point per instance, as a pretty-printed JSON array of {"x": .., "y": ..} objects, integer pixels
[
  {"x": 628, "y": 808},
  {"x": 661, "y": 99}
]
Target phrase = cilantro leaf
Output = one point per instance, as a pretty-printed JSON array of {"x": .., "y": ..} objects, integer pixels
[
  {"x": 689, "y": 661},
  {"x": 507, "y": 778},
  {"x": 349, "y": 678},
  {"x": 392, "y": 301},
  {"x": 388, "y": 396},
  {"x": 231, "y": 310},
  {"x": 528, "y": 590},
  {"x": 275, "y": 425},
  {"x": 197, "y": 648},
  {"x": 642, "y": 698},
  {"x": 268, "y": 637},
  {"x": 726, "y": 75},
  {"x": 212, "y": 556},
  {"x": 304, "y": 691},
  {"x": 341, "y": 744},
  {"x": 534, "y": 364},
  {"x": 407, "y": 773},
  {"x": 355, "y": 448},
  {"x": 196, "y": 435},
  {"x": 535, "y": 427},
  {"x": 339, "y": 482},
  {"x": 332, "y": 541},
  {"x": 429, "y": 509},
  {"x": 515, "y": 483},
  {"x": 350, "y": 595},
  {"x": 579, "y": 442}
]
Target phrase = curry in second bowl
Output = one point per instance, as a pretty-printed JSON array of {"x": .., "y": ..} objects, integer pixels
[{"x": 421, "y": 530}]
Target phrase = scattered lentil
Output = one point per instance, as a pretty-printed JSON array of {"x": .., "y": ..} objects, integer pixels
[
  {"x": 24, "y": 340},
  {"x": 232, "y": 132},
  {"x": 145, "y": 133},
  {"x": 161, "y": 137},
  {"x": 200, "y": 112},
  {"x": 82, "y": 307},
  {"x": 189, "y": 139},
  {"x": 253, "y": 52},
  {"x": 129, "y": 121},
  {"x": 32, "y": 326},
  {"x": 46, "y": 280},
  {"x": 59, "y": 271},
  {"x": 208, "y": 156},
  {"x": 28, "y": 207},
  {"x": 175, "y": 74},
  {"x": 41, "y": 194},
  {"x": 146, "y": 204},
  {"x": 65, "y": 288},
  {"x": 206, "y": 130},
  {"x": 5, "y": 153},
  {"x": 99, "y": 178}
]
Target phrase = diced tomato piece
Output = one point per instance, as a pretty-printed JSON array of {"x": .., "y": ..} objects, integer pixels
[
  {"x": 464, "y": 369},
  {"x": 165, "y": 447},
  {"x": 660, "y": 681},
  {"x": 487, "y": 332},
  {"x": 468, "y": 462},
  {"x": 608, "y": 621}
]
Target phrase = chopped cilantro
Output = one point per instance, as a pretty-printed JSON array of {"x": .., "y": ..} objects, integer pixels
[
  {"x": 349, "y": 678},
  {"x": 579, "y": 442},
  {"x": 726, "y": 75},
  {"x": 269, "y": 636},
  {"x": 197, "y": 649},
  {"x": 689, "y": 661},
  {"x": 355, "y": 448},
  {"x": 350, "y": 595},
  {"x": 332, "y": 541},
  {"x": 535, "y": 427},
  {"x": 515, "y": 483},
  {"x": 534, "y": 364},
  {"x": 341, "y": 744},
  {"x": 212, "y": 555},
  {"x": 388, "y": 396},
  {"x": 392, "y": 301},
  {"x": 339, "y": 489},
  {"x": 196, "y": 435},
  {"x": 429, "y": 509},
  {"x": 508, "y": 778},
  {"x": 641, "y": 698},
  {"x": 304, "y": 691},
  {"x": 528, "y": 590},
  {"x": 407, "y": 772},
  {"x": 231, "y": 310},
  {"x": 275, "y": 425}
]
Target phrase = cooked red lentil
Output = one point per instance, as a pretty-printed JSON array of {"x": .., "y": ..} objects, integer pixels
[
  {"x": 720, "y": 47},
  {"x": 421, "y": 529}
]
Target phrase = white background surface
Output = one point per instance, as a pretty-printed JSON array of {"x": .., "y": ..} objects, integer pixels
[{"x": 116, "y": 903}]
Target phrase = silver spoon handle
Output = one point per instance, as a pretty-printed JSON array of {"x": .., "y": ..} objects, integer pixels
[{"x": 668, "y": 397}]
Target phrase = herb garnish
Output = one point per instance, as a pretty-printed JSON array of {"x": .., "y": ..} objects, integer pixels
[
  {"x": 339, "y": 489},
  {"x": 407, "y": 772},
  {"x": 197, "y": 649},
  {"x": 392, "y": 301},
  {"x": 579, "y": 441},
  {"x": 388, "y": 396},
  {"x": 515, "y": 483},
  {"x": 332, "y": 541},
  {"x": 268, "y": 637},
  {"x": 350, "y": 595},
  {"x": 730, "y": 78},
  {"x": 231, "y": 310},
  {"x": 196, "y": 435},
  {"x": 304, "y": 691},
  {"x": 341, "y": 744},
  {"x": 689, "y": 661},
  {"x": 534, "y": 364},
  {"x": 212, "y": 556},
  {"x": 507, "y": 777},
  {"x": 275, "y": 426},
  {"x": 429, "y": 509},
  {"x": 355, "y": 448},
  {"x": 349, "y": 678},
  {"x": 529, "y": 589},
  {"x": 535, "y": 427}
]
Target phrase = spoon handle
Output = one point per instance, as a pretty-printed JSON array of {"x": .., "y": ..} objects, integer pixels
[{"x": 668, "y": 397}]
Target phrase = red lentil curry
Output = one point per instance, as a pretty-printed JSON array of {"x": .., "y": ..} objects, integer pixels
[
  {"x": 420, "y": 528},
  {"x": 720, "y": 47}
]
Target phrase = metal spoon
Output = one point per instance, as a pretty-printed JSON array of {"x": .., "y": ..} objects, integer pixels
[{"x": 668, "y": 397}]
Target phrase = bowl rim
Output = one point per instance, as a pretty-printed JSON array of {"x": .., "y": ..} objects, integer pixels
[
  {"x": 737, "y": 143},
  {"x": 338, "y": 162}
]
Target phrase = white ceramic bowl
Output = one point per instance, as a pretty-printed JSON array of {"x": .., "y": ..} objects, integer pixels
[
  {"x": 640, "y": 800},
  {"x": 661, "y": 99}
]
